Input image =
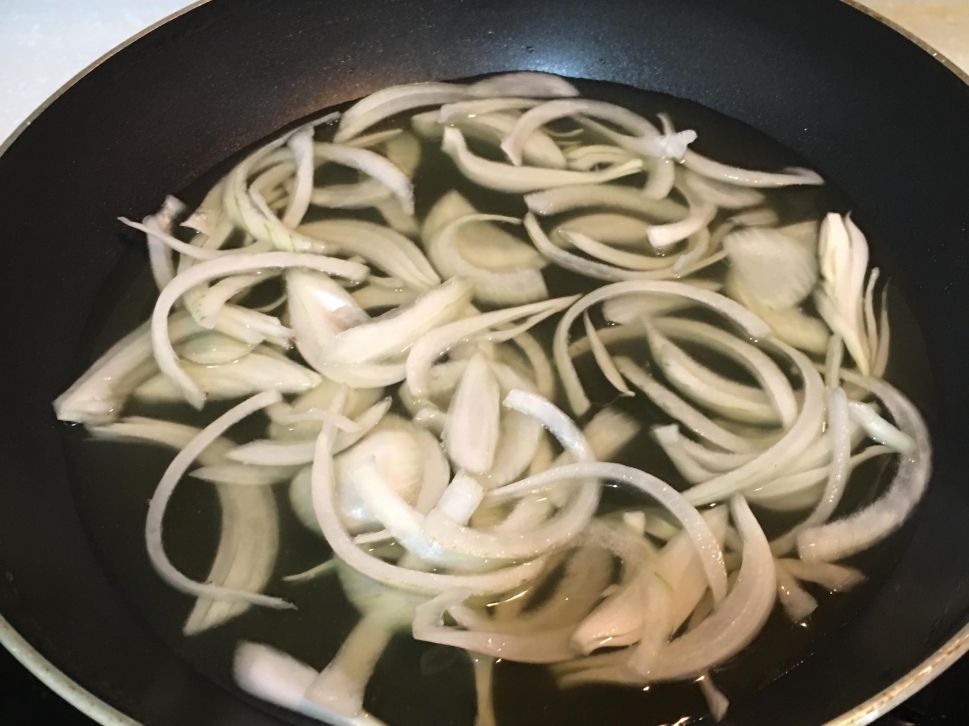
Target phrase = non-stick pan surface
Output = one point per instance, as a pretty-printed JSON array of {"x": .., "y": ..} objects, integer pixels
[{"x": 876, "y": 115}]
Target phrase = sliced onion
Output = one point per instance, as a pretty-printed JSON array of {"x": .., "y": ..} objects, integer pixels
[
  {"x": 607, "y": 228},
  {"x": 862, "y": 529},
  {"x": 520, "y": 180},
  {"x": 523, "y": 83},
  {"x": 721, "y": 194},
  {"x": 391, "y": 101},
  {"x": 772, "y": 267},
  {"x": 472, "y": 428},
  {"x": 570, "y": 379},
  {"x": 699, "y": 215},
  {"x": 610, "y": 196},
  {"x": 166, "y": 486},
  {"x": 393, "y": 333},
  {"x": 620, "y": 258},
  {"x": 745, "y": 177},
  {"x": 205, "y": 271},
  {"x": 603, "y": 359},
  {"x": 438, "y": 341}
]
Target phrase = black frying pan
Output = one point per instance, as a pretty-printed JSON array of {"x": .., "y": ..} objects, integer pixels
[{"x": 876, "y": 115}]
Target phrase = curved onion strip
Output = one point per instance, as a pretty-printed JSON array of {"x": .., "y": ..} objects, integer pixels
[
  {"x": 800, "y": 434},
  {"x": 205, "y": 271},
  {"x": 797, "y": 602},
  {"x": 606, "y": 228},
  {"x": 699, "y": 215},
  {"x": 565, "y": 526},
  {"x": 394, "y": 332},
  {"x": 706, "y": 387},
  {"x": 166, "y": 486},
  {"x": 756, "y": 362},
  {"x": 99, "y": 394},
  {"x": 772, "y": 494},
  {"x": 523, "y": 179},
  {"x": 586, "y": 158},
  {"x": 159, "y": 258},
  {"x": 839, "y": 470},
  {"x": 862, "y": 529},
  {"x": 540, "y": 149},
  {"x": 472, "y": 426},
  {"x": 324, "y": 504},
  {"x": 598, "y": 270},
  {"x": 371, "y": 164},
  {"x": 243, "y": 475},
  {"x": 454, "y": 112},
  {"x": 835, "y": 578},
  {"x": 693, "y": 523},
  {"x": 267, "y": 452},
  {"x": 602, "y": 357},
  {"x": 681, "y": 411},
  {"x": 604, "y": 252},
  {"x": 213, "y": 349},
  {"x": 384, "y": 248},
  {"x": 578, "y": 400},
  {"x": 356, "y": 195},
  {"x": 523, "y": 83},
  {"x": 535, "y": 118},
  {"x": 301, "y": 144},
  {"x": 509, "y": 287},
  {"x": 391, "y": 101},
  {"x": 879, "y": 429},
  {"x": 661, "y": 179},
  {"x": 669, "y": 439},
  {"x": 155, "y": 233},
  {"x": 435, "y": 343},
  {"x": 611, "y": 196},
  {"x": 723, "y": 195},
  {"x": 211, "y": 302},
  {"x": 746, "y": 177}
]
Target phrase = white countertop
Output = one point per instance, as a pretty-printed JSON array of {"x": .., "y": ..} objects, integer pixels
[{"x": 43, "y": 43}]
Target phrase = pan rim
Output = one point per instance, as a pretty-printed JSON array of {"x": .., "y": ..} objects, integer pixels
[{"x": 103, "y": 713}]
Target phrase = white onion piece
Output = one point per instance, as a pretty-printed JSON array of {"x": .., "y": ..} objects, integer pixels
[
  {"x": 212, "y": 349},
  {"x": 319, "y": 309},
  {"x": 397, "y": 217},
  {"x": 523, "y": 83},
  {"x": 611, "y": 196},
  {"x": 780, "y": 493},
  {"x": 661, "y": 179},
  {"x": 693, "y": 523},
  {"x": 578, "y": 400},
  {"x": 271, "y": 675},
  {"x": 205, "y": 307},
  {"x": 431, "y": 583},
  {"x": 371, "y": 164},
  {"x": 484, "y": 669},
  {"x": 454, "y": 112},
  {"x": 591, "y": 268},
  {"x": 747, "y": 178},
  {"x": 540, "y": 149},
  {"x": 630, "y": 308},
  {"x": 586, "y": 158},
  {"x": 839, "y": 433},
  {"x": 249, "y": 531},
  {"x": 391, "y": 101},
  {"x": 836, "y": 578},
  {"x": 795, "y": 439},
  {"x": 301, "y": 144},
  {"x": 243, "y": 474},
  {"x": 797, "y": 602},
  {"x": 736, "y": 401},
  {"x": 756, "y": 362},
  {"x": 681, "y": 411},
  {"x": 495, "y": 287},
  {"x": 461, "y": 498},
  {"x": 522, "y": 179},
  {"x": 394, "y": 332},
  {"x": 302, "y": 419},
  {"x": 159, "y": 258},
  {"x": 879, "y": 429},
  {"x": 203, "y": 272},
  {"x": 565, "y": 526},
  {"x": 371, "y": 297},
  {"x": 669, "y": 439},
  {"x": 603, "y": 359},
  {"x": 773, "y": 267},
  {"x": 99, "y": 394},
  {"x": 163, "y": 492},
  {"x": 384, "y": 248},
  {"x": 699, "y": 215},
  {"x": 155, "y": 234},
  {"x": 844, "y": 537},
  {"x": 356, "y": 195},
  {"x": 608, "y": 228},
  {"x": 721, "y": 194},
  {"x": 791, "y": 325},
  {"x": 541, "y": 646},
  {"x": 243, "y": 377},
  {"x": 604, "y": 252},
  {"x": 266, "y": 452},
  {"x": 472, "y": 428},
  {"x": 436, "y": 342}
]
